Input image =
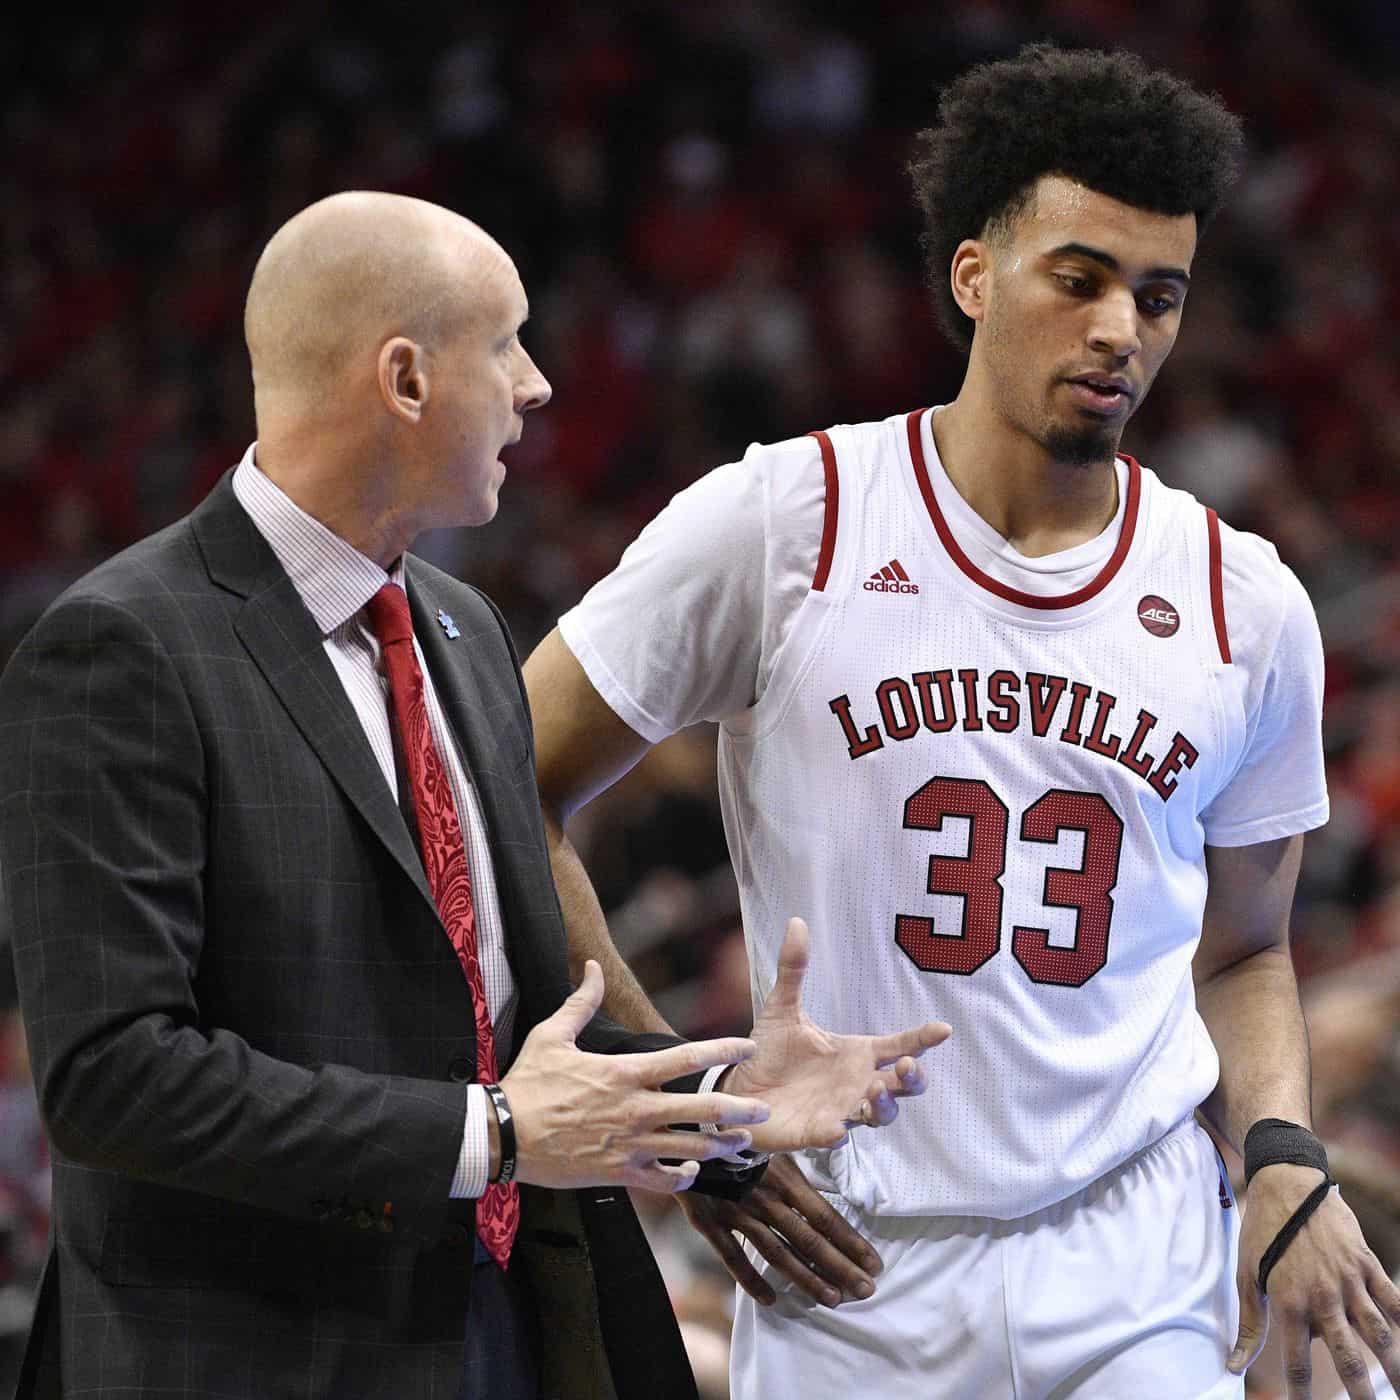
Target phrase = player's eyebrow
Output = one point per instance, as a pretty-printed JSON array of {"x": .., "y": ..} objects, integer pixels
[{"x": 1154, "y": 274}]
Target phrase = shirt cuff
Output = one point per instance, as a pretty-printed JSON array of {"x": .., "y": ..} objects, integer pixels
[
  {"x": 474, "y": 1162},
  {"x": 735, "y": 1161},
  {"x": 707, "y": 1083}
]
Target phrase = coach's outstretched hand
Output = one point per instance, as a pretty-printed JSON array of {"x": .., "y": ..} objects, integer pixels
[
  {"x": 819, "y": 1085},
  {"x": 597, "y": 1120}
]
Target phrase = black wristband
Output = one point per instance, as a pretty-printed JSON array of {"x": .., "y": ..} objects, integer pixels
[
  {"x": 1291, "y": 1226},
  {"x": 1272, "y": 1140},
  {"x": 505, "y": 1121}
]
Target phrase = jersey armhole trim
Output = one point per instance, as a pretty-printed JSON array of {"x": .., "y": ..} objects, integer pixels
[
  {"x": 829, "y": 511},
  {"x": 1217, "y": 586}
]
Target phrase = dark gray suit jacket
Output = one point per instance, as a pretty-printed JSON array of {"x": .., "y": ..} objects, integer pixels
[{"x": 250, "y": 1033}]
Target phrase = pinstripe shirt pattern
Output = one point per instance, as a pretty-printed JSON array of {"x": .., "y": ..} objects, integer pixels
[{"x": 335, "y": 581}]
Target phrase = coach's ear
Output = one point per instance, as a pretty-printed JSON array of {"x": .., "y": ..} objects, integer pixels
[
  {"x": 402, "y": 375},
  {"x": 968, "y": 277}
]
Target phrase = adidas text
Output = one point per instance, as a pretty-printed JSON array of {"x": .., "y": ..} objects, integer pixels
[{"x": 880, "y": 585}]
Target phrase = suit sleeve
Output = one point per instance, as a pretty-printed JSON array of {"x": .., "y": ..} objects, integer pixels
[
  {"x": 603, "y": 1035},
  {"x": 103, "y": 802}
]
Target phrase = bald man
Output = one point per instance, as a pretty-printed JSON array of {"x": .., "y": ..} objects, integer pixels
[{"x": 327, "y": 1118}]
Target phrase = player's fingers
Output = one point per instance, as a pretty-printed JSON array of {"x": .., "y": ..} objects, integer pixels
[
  {"x": 913, "y": 1042},
  {"x": 653, "y": 1067},
  {"x": 1384, "y": 1291},
  {"x": 743, "y": 1273},
  {"x": 1297, "y": 1359},
  {"x": 796, "y": 1196},
  {"x": 1348, "y": 1356},
  {"x": 819, "y": 1255},
  {"x": 793, "y": 958},
  {"x": 1375, "y": 1330},
  {"x": 774, "y": 1248},
  {"x": 1254, "y": 1324}
]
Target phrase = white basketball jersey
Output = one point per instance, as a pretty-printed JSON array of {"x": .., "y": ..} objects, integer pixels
[
  {"x": 987, "y": 806},
  {"x": 990, "y": 806}
]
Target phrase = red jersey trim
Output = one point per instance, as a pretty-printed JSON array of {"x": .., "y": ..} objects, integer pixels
[
  {"x": 1095, "y": 586},
  {"x": 831, "y": 510},
  {"x": 1217, "y": 586}
]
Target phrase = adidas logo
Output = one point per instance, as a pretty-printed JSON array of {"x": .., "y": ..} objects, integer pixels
[{"x": 891, "y": 579}]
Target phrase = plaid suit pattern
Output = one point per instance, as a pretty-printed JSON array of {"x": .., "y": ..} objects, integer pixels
[{"x": 245, "y": 1019}]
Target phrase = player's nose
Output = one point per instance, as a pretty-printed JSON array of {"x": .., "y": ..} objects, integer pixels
[{"x": 1113, "y": 328}]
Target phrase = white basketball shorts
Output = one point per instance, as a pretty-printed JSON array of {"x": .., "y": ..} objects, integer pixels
[{"x": 1124, "y": 1290}]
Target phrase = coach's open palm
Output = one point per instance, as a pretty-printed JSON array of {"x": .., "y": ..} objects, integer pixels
[{"x": 819, "y": 1085}]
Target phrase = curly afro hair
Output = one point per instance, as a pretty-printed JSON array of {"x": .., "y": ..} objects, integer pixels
[{"x": 1145, "y": 137}]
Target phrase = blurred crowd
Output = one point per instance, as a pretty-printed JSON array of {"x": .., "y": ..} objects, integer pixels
[{"x": 708, "y": 207}]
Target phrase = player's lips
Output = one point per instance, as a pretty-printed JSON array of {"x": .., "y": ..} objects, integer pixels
[{"x": 1102, "y": 393}]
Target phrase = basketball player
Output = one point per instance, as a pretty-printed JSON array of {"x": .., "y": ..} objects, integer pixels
[{"x": 1031, "y": 741}]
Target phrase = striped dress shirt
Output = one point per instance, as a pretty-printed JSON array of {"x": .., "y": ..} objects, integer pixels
[{"x": 335, "y": 582}]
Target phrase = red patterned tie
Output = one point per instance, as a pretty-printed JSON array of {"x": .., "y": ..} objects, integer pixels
[{"x": 445, "y": 860}]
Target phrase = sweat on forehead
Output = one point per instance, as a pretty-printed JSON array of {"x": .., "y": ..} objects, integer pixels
[
  {"x": 1062, "y": 215},
  {"x": 352, "y": 269}
]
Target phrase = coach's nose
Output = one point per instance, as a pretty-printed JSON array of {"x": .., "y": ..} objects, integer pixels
[{"x": 532, "y": 389}]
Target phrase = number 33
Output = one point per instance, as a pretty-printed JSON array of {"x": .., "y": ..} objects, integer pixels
[{"x": 977, "y": 878}]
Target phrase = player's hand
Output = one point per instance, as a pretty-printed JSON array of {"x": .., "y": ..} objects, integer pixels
[
  {"x": 1326, "y": 1284},
  {"x": 820, "y": 1085},
  {"x": 597, "y": 1120},
  {"x": 795, "y": 1230}
]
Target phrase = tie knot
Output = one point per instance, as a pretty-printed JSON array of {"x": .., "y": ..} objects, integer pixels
[{"x": 389, "y": 615}]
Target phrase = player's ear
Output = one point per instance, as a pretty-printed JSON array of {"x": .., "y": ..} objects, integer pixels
[{"x": 969, "y": 275}]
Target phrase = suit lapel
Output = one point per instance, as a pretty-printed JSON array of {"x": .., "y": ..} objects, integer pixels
[{"x": 283, "y": 639}]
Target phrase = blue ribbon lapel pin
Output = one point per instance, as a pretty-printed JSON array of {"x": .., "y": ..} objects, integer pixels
[{"x": 448, "y": 625}]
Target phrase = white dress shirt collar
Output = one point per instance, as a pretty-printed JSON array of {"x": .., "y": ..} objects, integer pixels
[{"x": 333, "y": 578}]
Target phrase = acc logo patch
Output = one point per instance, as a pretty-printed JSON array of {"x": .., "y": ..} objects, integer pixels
[{"x": 1158, "y": 616}]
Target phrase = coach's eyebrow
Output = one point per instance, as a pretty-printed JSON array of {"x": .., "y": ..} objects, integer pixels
[{"x": 1098, "y": 255}]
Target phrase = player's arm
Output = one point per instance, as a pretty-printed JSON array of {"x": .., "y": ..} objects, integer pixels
[
  {"x": 1327, "y": 1283},
  {"x": 1246, "y": 991},
  {"x": 581, "y": 747}
]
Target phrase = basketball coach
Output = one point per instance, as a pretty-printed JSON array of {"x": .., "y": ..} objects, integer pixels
[{"x": 328, "y": 1119}]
